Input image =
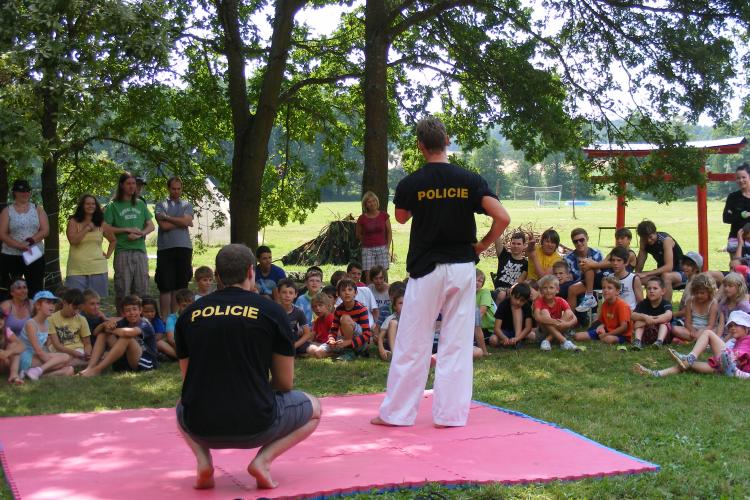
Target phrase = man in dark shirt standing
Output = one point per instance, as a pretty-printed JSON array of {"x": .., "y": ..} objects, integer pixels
[
  {"x": 228, "y": 343},
  {"x": 442, "y": 199}
]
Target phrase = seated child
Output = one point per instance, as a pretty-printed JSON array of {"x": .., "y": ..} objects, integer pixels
[
  {"x": 512, "y": 266},
  {"x": 586, "y": 265},
  {"x": 36, "y": 360},
  {"x": 553, "y": 316},
  {"x": 165, "y": 342},
  {"x": 354, "y": 273},
  {"x": 690, "y": 267},
  {"x": 542, "y": 257},
  {"x": 330, "y": 290},
  {"x": 623, "y": 238},
  {"x": 379, "y": 288},
  {"x": 742, "y": 250},
  {"x": 150, "y": 311},
  {"x": 10, "y": 352},
  {"x": 91, "y": 311},
  {"x": 350, "y": 331},
  {"x": 561, "y": 270},
  {"x": 69, "y": 331},
  {"x": 297, "y": 320},
  {"x": 615, "y": 327},
  {"x": 322, "y": 306},
  {"x": 313, "y": 284},
  {"x": 131, "y": 342},
  {"x": 204, "y": 282},
  {"x": 732, "y": 297},
  {"x": 486, "y": 307},
  {"x": 389, "y": 327},
  {"x": 701, "y": 309},
  {"x": 732, "y": 361},
  {"x": 652, "y": 318},
  {"x": 631, "y": 290},
  {"x": 513, "y": 318}
]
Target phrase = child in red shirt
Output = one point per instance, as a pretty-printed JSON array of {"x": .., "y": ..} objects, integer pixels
[
  {"x": 553, "y": 315},
  {"x": 322, "y": 306},
  {"x": 615, "y": 327}
]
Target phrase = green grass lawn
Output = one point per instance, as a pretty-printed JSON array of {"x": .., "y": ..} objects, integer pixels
[{"x": 691, "y": 425}]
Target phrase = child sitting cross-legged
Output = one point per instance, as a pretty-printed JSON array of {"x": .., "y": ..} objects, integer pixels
[
  {"x": 166, "y": 343},
  {"x": 615, "y": 327},
  {"x": 652, "y": 318},
  {"x": 731, "y": 360},
  {"x": 36, "y": 360},
  {"x": 131, "y": 342},
  {"x": 350, "y": 331},
  {"x": 387, "y": 337},
  {"x": 287, "y": 292},
  {"x": 701, "y": 309},
  {"x": 553, "y": 315},
  {"x": 513, "y": 318}
]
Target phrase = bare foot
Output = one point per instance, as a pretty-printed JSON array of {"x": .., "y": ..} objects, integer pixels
[
  {"x": 204, "y": 479},
  {"x": 262, "y": 474},
  {"x": 380, "y": 421},
  {"x": 88, "y": 372}
]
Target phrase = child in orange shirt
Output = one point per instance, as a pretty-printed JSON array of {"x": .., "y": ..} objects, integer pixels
[{"x": 615, "y": 327}]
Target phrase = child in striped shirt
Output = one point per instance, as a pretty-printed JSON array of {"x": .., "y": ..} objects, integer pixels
[{"x": 350, "y": 331}]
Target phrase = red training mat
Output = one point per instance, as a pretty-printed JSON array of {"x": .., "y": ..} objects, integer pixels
[{"x": 140, "y": 454}]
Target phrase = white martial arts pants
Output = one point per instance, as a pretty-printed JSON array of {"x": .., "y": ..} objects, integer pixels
[{"x": 450, "y": 288}]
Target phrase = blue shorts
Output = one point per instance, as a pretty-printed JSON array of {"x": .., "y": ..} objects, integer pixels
[
  {"x": 683, "y": 277},
  {"x": 593, "y": 336}
]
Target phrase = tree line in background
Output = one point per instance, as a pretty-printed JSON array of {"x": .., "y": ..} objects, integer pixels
[{"x": 245, "y": 93}]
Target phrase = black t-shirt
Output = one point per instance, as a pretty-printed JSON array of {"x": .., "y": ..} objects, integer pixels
[
  {"x": 504, "y": 313},
  {"x": 645, "y": 307},
  {"x": 147, "y": 338},
  {"x": 509, "y": 269},
  {"x": 736, "y": 204},
  {"x": 442, "y": 199},
  {"x": 657, "y": 251},
  {"x": 230, "y": 337}
]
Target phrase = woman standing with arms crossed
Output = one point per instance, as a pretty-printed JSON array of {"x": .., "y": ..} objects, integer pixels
[
  {"x": 22, "y": 225},
  {"x": 373, "y": 230},
  {"x": 87, "y": 263}
]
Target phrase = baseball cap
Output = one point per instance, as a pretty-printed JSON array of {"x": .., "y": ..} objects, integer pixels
[
  {"x": 739, "y": 318},
  {"x": 45, "y": 294},
  {"x": 695, "y": 257},
  {"x": 21, "y": 186}
]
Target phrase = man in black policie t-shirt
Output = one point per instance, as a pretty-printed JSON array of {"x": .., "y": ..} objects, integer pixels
[
  {"x": 441, "y": 199},
  {"x": 228, "y": 343}
]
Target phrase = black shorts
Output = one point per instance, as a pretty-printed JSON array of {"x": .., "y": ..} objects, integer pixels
[
  {"x": 174, "y": 268},
  {"x": 293, "y": 410}
]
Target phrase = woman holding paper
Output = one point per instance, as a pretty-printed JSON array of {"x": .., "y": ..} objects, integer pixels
[
  {"x": 87, "y": 263},
  {"x": 23, "y": 227}
]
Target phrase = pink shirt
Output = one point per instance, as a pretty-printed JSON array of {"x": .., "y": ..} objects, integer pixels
[{"x": 373, "y": 229}]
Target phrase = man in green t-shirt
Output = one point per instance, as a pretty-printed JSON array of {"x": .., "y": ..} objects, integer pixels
[{"x": 130, "y": 221}]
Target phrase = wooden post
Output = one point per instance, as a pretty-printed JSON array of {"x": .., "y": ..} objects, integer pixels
[
  {"x": 701, "y": 197},
  {"x": 621, "y": 207}
]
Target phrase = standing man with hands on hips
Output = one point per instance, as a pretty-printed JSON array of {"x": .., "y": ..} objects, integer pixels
[{"x": 443, "y": 249}]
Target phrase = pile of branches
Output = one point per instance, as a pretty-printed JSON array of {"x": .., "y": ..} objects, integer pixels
[{"x": 336, "y": 244}]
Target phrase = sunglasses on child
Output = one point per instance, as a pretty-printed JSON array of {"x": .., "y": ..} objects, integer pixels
[{"x": 579, "y": 240}]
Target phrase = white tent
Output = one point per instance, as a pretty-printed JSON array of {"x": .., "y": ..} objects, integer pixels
[{"x": 211, "y": 221}]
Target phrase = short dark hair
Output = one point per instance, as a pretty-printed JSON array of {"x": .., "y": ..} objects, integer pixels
[
  {"x": 131, "y": 300},
  {"x": 745, "y": 166},
  {"x": 352, "y": 265},
  {"x": 232, "y": 263},
  {"x": 432, "y": 134},
  {"x": 337, "y": 276},
  {"x": 561, "y": 264},
  {"x": 624, "y": 232},
  {"x": 520, "y": 235},
  {"x": 345, "y": 283},
  {"x": 72, "y": 296},
  {"x": 657, "y": 279},
  {"x": 263, "y": 249},
  {"x": 184, "y": 296},
  {"x": 551, "y": 235},
  {"x": 375, "y": 270},
  {"x": 645, "y": 228},
  {"x": 314, "y": 272},
  {"x": 396, "y": 293},
  {"x": 150, "y": 301},
  {"x": 203, "y": 272},
  {"x": 172, "y": 179},
  {"x": 329, "y": 290},
  {"x": 620, "y": 252},
  {"x": 533, "y": 284},
  {"x": 521, "y": 291},
  {"x": 577, "y": 231},
  {"x": 286, "y": 283}
]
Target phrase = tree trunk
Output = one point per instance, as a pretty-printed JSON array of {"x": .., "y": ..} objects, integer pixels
[
  {"x": 252, "y": 132},
  {"x": 50, "y": 198},
  {"x": 377, "y": 42}
]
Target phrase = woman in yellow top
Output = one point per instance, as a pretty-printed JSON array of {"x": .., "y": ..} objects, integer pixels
[
  {"x": 541, "y": 258},
  {"x": 87, "y": 263}
]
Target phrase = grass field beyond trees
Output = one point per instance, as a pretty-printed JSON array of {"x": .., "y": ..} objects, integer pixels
[{"x": 693, "y": 426}]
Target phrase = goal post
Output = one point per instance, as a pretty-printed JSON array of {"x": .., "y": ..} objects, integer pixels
[
  {"x": 552, "y": 196},
  {"x": 547, "y": 198}
]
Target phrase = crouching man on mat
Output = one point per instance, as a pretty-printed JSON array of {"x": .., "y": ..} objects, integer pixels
[
  {"x": 228, "y": 343},
  {"x": 442, "y": 199}
]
